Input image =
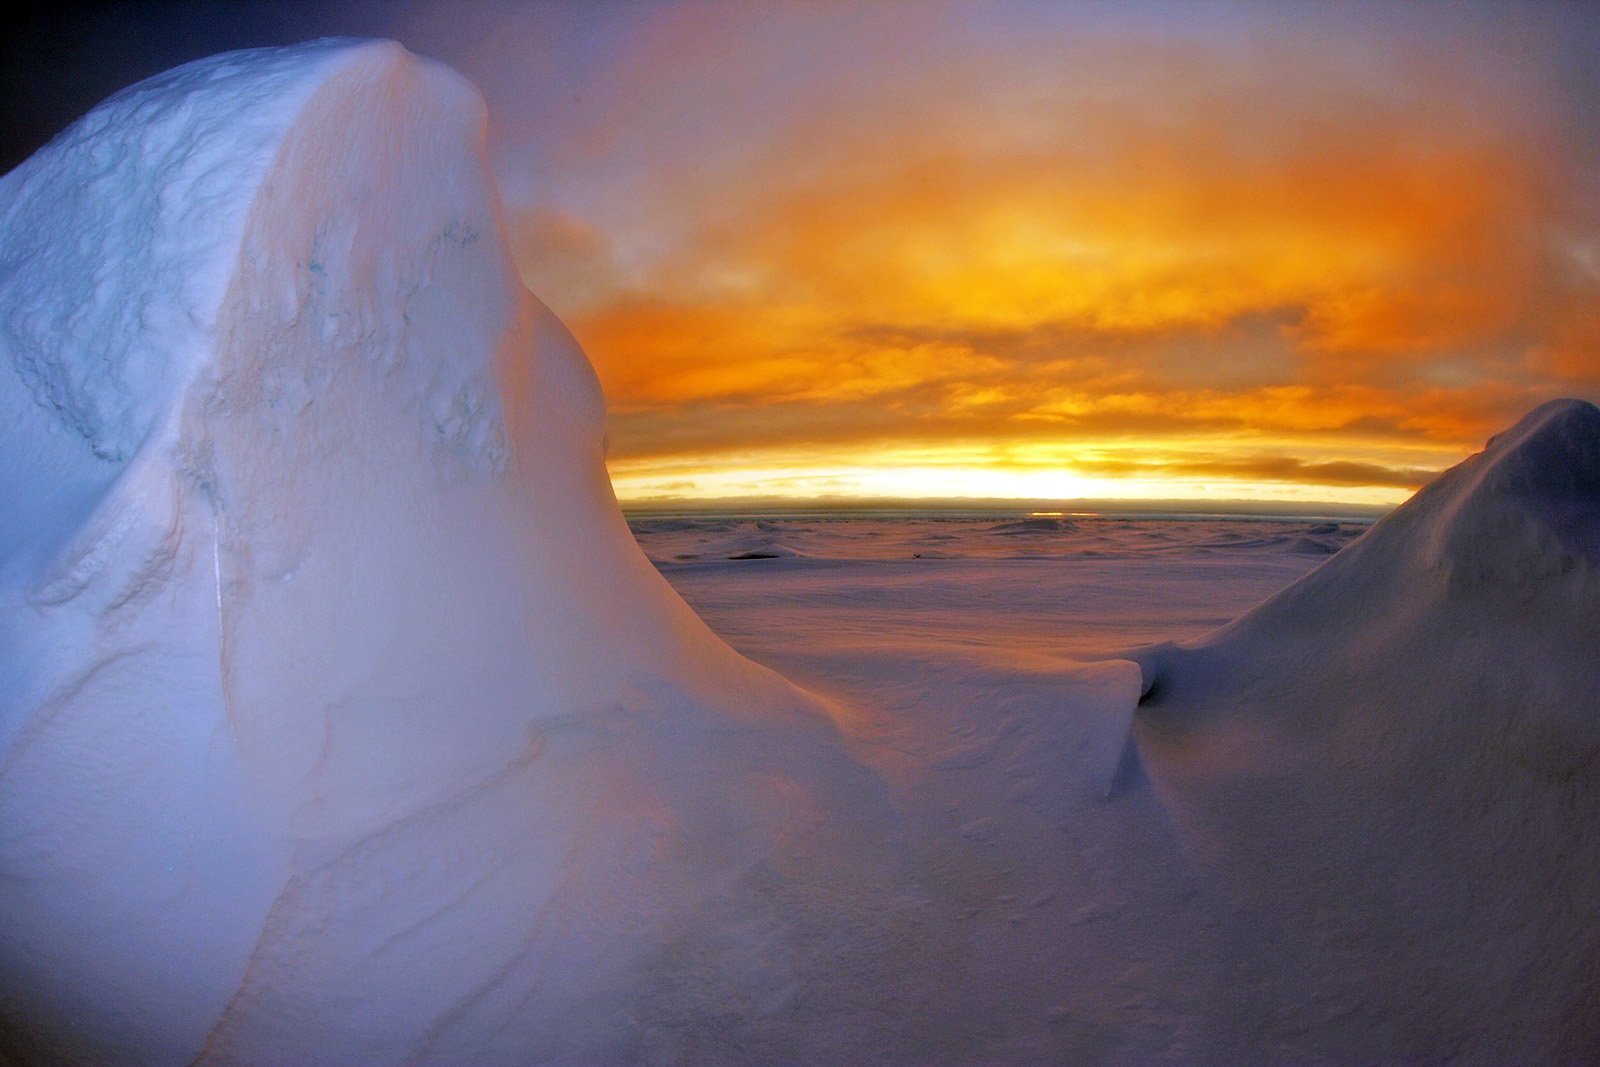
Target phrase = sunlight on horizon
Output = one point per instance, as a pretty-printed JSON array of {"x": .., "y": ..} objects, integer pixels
[
  {"x": 934, "y": 471},
  {"x": 1338, "y": 246}
]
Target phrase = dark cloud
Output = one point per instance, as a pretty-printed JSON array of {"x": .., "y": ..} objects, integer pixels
[{"x": 1272, "y": 469}]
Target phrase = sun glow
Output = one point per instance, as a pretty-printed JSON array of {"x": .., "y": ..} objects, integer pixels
[
  {"x": 986, "y": 471},
  {"x": 1270, "y": 259}
]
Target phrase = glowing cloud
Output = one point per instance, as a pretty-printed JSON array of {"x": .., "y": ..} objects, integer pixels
[{"x": 996, "y": 250}]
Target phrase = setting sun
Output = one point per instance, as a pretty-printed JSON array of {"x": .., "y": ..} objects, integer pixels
[{"x": 1170, "y": 251}]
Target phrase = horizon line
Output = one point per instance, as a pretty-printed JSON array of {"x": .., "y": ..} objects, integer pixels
[{"x": 1122, "y": 507}]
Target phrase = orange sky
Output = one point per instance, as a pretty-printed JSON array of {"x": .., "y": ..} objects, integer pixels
[{"x": 1029, "y": 250}]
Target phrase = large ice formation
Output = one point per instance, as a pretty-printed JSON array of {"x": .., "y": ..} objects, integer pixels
[
  {"x": 1394, "y": 765},
  {"x": 340, "y": 716}
]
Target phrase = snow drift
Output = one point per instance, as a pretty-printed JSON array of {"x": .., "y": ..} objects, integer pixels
[
  {"x": 341, "y": 719},
  {"x": 1394, "y": 766}
]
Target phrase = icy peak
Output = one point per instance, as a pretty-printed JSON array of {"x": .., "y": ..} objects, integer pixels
[
  {"x": 1566, "y": 416},
  {"x": 1473, "y": 586},
  {"x": 1527, "y": 505},
  {"x": 1549, "y": 464},
  {"x": 121, "y": 237}
]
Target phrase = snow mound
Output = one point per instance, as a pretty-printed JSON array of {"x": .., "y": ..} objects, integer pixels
[
  {"x": 769, "y": 551},
  {"x": 1530, "y": 500},
  {"x": 1394, "y": 767},
  {"x": 1031, "y": 526},
  {"x": 341, "y": 718}
]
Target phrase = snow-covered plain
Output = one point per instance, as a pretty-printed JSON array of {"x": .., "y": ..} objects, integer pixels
[
  {"x": 342, "y": 721},
  {"x": 1082, "y": 587},
  {"x": 1383, "y": 836}
]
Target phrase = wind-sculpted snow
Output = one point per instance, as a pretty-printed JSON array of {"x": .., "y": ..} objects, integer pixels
[
  {"x": 1394, "y": 767},
  {"x": 118, "y": 242},
  {"x": 342, "y": 720}
]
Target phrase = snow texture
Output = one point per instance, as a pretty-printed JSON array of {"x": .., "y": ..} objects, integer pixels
[
  {"x": 342, "y": 719},
  {"x": 1394, "y": 768}
]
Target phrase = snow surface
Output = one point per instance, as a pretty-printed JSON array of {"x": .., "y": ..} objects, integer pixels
[
  {"x": 342, "y": 720},
  {"x": 1080, "y": 589},
  {"x": 1393, "y": 767}
]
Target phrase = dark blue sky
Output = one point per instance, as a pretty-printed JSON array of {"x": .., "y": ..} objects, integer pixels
[{"x": 60, "y": 59}]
